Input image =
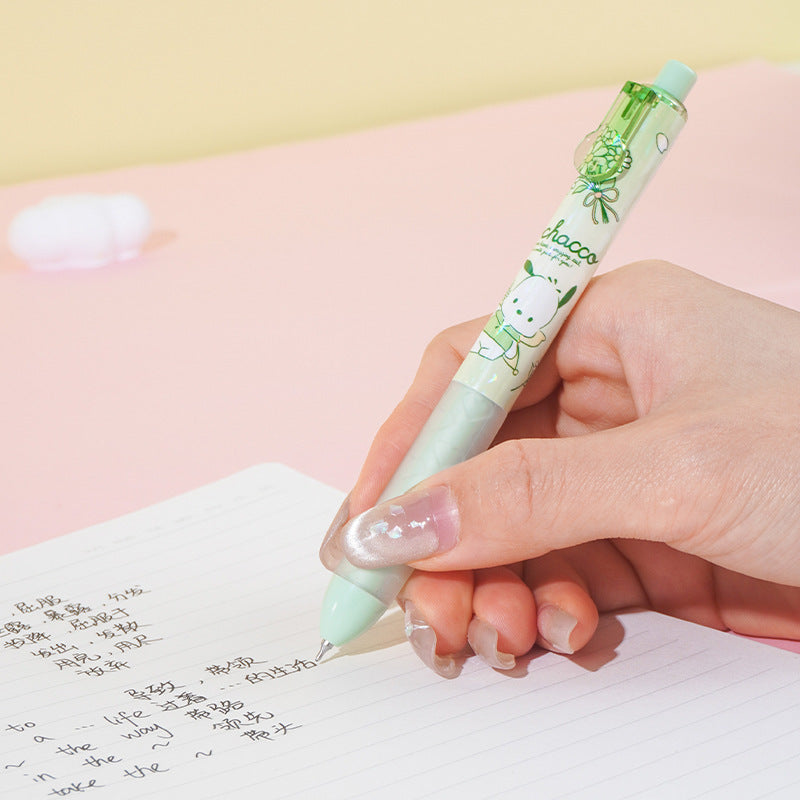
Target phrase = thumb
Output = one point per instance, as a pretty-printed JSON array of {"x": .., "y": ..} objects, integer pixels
[{"x": 524, "y": 498}]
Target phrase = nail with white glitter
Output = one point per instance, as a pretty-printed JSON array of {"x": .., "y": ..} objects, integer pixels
[{"x": 408, "y": 528}]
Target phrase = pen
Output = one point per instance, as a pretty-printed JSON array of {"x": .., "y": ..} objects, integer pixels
[{"x": 614, "y": 164}]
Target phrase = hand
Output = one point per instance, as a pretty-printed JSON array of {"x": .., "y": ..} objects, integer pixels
[{"x": 652, "y": 460}]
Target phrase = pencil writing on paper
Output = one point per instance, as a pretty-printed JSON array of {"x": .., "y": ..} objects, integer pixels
[
  {"x": 98, "y": 636},
  {"x": 90, "y": 637}
]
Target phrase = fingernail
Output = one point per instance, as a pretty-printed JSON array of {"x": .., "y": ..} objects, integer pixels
[
  {"x": 423, "y": 639},
  {"x": 330, "y": 551},
  {"x": 414, "y": 526},
  {"x": 482, "y": 638},
  {"x": 555, "y": 627}
]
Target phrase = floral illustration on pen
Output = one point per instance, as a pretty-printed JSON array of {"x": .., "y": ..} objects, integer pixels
[
  {"x": 599, "y": 196},
  {"x": 607, "y": 157}
]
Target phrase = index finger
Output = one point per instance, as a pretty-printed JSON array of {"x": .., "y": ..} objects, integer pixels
[{"x": 440, "y": 361}]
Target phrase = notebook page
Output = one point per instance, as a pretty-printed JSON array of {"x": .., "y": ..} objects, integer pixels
[{"x": 169, "y": 654}]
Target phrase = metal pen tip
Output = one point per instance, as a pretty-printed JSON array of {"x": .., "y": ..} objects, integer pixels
[{"x": 324, "y": 647}]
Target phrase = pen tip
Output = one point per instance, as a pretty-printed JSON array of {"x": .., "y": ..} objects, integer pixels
[{"x": 324, "y": 647}]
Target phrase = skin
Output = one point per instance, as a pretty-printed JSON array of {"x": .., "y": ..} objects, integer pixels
[{"x": 652, "y": 460}]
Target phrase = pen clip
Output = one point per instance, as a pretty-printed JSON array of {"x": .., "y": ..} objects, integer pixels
[
  {"x": 600, "y": 155},
  {"x": 605, "y": 152}
]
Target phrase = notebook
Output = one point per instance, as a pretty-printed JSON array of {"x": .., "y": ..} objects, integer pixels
[{"x": 169, "y": 654}]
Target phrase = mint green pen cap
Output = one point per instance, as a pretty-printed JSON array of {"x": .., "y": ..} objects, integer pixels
[{"x": 675, "y": 79}]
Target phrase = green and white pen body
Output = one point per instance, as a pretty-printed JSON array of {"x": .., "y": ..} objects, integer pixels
[{"x": 614, "y": 163}]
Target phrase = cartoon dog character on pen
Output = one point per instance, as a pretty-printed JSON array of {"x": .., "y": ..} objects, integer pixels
[{"x": 527, "y": 308}]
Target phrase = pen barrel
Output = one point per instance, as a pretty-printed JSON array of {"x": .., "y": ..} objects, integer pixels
[
  {"x": 463, "y": 424},
  {"x": 622, "y": 156}
]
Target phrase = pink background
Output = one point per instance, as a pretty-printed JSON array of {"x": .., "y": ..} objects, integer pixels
[{"x": 286, "y": 295}]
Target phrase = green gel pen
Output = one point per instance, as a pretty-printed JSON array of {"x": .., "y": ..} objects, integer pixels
[{"x": 614, "y": 164}]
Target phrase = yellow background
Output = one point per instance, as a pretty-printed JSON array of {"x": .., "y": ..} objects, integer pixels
[{"x": 92, "y": 84}]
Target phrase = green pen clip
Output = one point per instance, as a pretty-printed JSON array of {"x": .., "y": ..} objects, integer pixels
[{"x": 605, "y": 152}]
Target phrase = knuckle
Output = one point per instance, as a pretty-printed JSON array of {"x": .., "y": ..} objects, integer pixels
[
  {"x": 649, "y": 269},
  {"x": 524, "y": 476}
]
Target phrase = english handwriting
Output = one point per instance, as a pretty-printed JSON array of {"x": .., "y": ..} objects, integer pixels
[
  {"x": 142, "y": 772},
  {"x": 76, "y": 787}
]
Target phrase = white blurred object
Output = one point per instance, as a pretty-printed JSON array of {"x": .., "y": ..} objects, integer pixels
[{"x": 80, "y": 231}]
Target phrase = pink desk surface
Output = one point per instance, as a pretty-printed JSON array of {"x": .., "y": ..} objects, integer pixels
[{"x": 283, "y": 301}]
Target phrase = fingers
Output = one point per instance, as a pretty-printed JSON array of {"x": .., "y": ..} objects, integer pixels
[
  {"x": 504, "y": 622},
  {"x": 442, "y": 358},
  {"x": 493, "y": 611},
  {"x": 522, "y": 499},
  {"x": 439, "y": 363},
  {"x": 675, "y": 583},
  {"x": 566, "y": 614},
  {"x": 500, "y": 612},
  {"x": 624, "y": 354},
  {"x": 542, "y": 416},
  {"x": 438, "y": 609},
  {"x": 757, "y": 608}
]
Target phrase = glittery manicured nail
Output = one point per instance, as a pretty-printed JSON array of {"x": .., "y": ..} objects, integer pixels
[
  {"x": 330, "y": 551},
  {"x": 423, "y": 639},
  {"x": 555, "y": 627},
  {"x": 482, "y": 638},
  {"x": 411, "y": 527}
]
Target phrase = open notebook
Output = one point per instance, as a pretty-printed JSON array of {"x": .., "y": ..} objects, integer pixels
[{"x": 169, "y": 654}]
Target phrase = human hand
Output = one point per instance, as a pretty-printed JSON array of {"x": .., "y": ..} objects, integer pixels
[{"x": 652, "y": 460}]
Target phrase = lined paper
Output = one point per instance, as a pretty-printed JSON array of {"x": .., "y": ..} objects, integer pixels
[{"x": 169, "y": 653}]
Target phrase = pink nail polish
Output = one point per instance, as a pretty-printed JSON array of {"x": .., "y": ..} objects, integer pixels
[
  {"x": 411, "y": 527},
  {"x": 555, "y": 627},
  {"x": 423, "y": 639},
  {"x": 482, "y": 638}
]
